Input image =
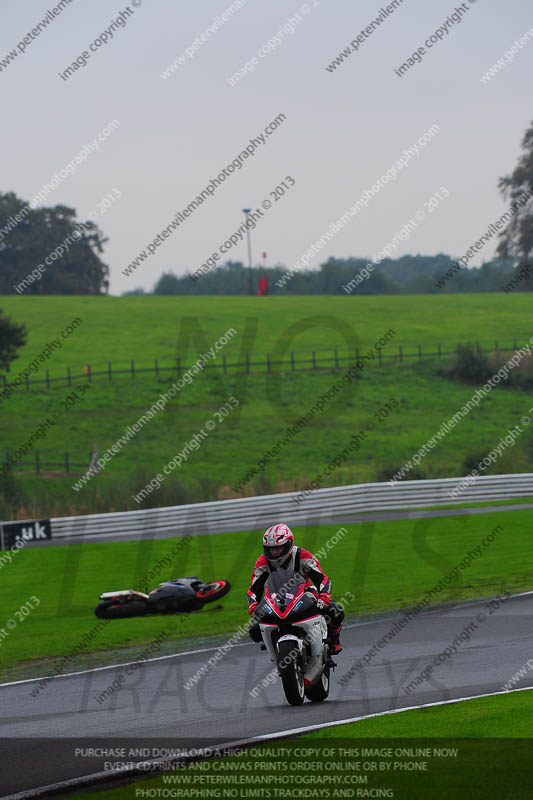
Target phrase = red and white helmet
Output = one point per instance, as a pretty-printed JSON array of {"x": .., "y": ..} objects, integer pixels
[{"x": 278, "y": 536}]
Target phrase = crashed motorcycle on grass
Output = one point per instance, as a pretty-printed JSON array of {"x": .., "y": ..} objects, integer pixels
[
  {"x": 295, "y": 634},
  {"x": 170, "y": 597}
]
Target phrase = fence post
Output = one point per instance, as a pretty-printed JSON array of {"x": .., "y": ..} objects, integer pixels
[
  {"x": 93, "y": 459},
  {"x": 336, "y": 358},
  {"x": 37, "y": 463},
  {"x": 248, "y": 363},
  {"x": 67, "y": 463},
  {"x": 47, "y": 379},
  {"x": 178, "y": 363},
  {"x": 109, "y": 371},
  {"x": 132, "y": 369},
  {"x": 379, "y": 356},
  {"x": 224, "y": 365},
  {"x": 419, "y": 351},
  {"x": 156, "y": 368},
  {"x": 69, "y": 377},
  {"x": 400, "y": 351},
  {"x": 439, "y": 351},
  {"x": 292, "y": 361},
  {"x": 314, "y": 359},
  {"x": 268, "y": 362}
]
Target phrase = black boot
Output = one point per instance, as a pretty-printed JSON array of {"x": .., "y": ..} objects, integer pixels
[{"x": 334, "y": 641}]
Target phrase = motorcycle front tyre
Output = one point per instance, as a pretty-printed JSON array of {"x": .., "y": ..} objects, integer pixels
[{"x": 291, "y": 672}]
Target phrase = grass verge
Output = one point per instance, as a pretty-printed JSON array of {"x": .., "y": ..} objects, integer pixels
[
  {"x": 384, "y": 566},
  {"x": 476, "y": 749}
]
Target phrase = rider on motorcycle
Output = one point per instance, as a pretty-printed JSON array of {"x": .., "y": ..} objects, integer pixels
[{"x": 280, "y": 552}]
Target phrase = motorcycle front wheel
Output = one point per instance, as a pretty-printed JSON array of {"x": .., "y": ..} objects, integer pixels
[{"x": 291, "y": 673}]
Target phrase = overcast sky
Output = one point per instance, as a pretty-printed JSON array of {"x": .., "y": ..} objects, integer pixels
[{"x": 343, "y": 129}]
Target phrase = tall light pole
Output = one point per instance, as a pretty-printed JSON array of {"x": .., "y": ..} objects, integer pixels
[{"x": 250, "y": 279}]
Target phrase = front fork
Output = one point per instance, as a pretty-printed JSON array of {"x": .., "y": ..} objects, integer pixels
[{"x": 301, "y": 650}]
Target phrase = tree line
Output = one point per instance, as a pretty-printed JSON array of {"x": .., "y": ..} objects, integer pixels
[
  {"x": 410, "y": 274},
  {"x": 48, "y": 251}
]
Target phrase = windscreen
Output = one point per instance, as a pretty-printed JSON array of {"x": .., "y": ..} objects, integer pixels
[{"x": 284, "y": 583}]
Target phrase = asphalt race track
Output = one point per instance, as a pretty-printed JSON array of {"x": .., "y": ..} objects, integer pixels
[{"x": 153, "y": 702}]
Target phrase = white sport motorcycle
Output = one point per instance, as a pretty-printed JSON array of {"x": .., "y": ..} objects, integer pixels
[{"x": 296, "y": 635}]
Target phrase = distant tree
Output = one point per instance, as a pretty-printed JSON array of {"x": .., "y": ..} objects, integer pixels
[
  {"x": 28, "y": 236},
  {"x": 12, "y": 338},
  {"x": 405, "y": 275},
  {"x": 338, "y": 272},
  {"x": 229, "y": 278},
  {"x": 517, "y": 238},
  {"x": 134, "y": 292},
  {"x": 168, "y": 283}
]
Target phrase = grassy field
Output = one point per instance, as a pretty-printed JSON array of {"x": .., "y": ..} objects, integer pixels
[
  {"x": 504, "y": 717},
  {"x": 118, "y": 329},
  {"x": 67, "y": 580},
  {"x": 422, "y": 398},
  {"x": 469, "y": 757}
]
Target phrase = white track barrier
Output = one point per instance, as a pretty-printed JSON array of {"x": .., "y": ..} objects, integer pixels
[{"x": 321, "y": 506}]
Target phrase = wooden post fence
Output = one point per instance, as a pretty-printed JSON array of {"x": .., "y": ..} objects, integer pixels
[{"x": 331, "y": 356}]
